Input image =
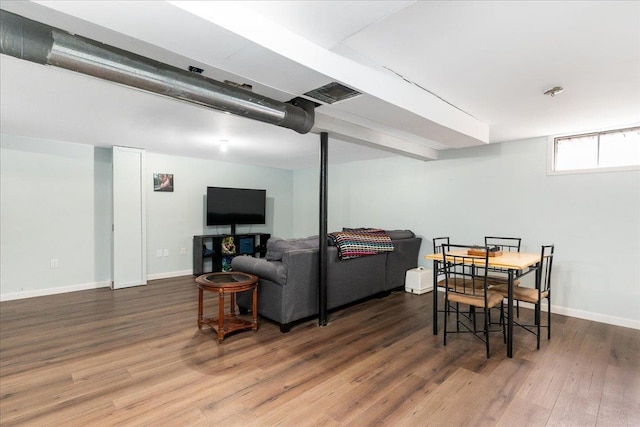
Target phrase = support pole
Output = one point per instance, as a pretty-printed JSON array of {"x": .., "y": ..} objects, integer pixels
[{"x": 322, "y": 283}]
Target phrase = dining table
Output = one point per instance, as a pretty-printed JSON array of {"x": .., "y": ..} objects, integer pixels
[{"x": 515, "y": 264}]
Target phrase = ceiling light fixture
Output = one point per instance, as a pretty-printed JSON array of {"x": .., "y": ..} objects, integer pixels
[
  {"x": 554, "y": 91},
  {"x": 223, "y": 145}
]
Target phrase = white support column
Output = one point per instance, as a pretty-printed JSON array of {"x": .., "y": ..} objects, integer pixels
[{"x": 129, "y": 218}]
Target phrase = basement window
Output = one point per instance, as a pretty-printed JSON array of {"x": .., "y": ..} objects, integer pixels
[{"x": 597, "y": 152}]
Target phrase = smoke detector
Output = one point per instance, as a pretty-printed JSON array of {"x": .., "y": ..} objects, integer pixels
[{"x": 553, "y": 91}]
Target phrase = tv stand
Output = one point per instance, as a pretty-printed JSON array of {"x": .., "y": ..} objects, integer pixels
[{"x": 214, "y": 252}]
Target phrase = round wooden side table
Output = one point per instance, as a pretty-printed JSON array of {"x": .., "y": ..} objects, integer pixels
[{"x": 227, "y": 283}]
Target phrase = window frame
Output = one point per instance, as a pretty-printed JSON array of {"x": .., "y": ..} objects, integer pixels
[{"x": 551, "y": 153}]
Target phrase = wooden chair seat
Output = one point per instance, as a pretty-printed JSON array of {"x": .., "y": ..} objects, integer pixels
[
  {"x": 500, "y": 280},
  {"x": 461, "y": 283},
  {"x": 521, "y": 293},
  {"x": 493, "y": 299}
]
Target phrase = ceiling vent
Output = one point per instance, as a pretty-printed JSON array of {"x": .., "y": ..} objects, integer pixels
[{"x": 332, "y": 92}]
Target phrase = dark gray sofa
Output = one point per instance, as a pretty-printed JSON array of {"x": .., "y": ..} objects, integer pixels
[{"x": 288, "y": 287}]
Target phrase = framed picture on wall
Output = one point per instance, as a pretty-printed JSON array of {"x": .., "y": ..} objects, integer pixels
[{"x": 163, "y": 182}]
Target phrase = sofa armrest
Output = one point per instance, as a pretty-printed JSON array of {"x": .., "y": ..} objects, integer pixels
[
  {"x": 270, "y": 270},
  {"x": 288, "y": 300}
]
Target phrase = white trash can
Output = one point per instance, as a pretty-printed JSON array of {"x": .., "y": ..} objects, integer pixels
[{"x": 418, "y": 281}]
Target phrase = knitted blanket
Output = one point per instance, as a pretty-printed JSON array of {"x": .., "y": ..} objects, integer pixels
[{"x": 361, "y": 242}]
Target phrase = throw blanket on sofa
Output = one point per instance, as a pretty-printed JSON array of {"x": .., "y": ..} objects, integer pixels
[{"x": 357, "y": 243}]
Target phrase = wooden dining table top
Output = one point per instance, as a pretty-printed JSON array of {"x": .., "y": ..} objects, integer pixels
[{"x": 508, "y": 260}]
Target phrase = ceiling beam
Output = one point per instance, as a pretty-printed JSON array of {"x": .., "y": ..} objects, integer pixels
[
  {"x": 349, "y": 132},
  {"x": 243, "y": 21}
]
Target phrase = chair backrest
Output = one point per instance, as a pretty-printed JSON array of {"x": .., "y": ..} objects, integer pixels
[
  {"x": 437, "y": 249},
  {"x": 506, "y": 244},
  {"x": 438, "y": 242},
  {"x": 465, "y": 274},
  {"x": 544, "y": 277}
]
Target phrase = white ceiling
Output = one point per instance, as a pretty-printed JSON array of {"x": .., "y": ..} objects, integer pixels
[{"x": 434, "y": 75}]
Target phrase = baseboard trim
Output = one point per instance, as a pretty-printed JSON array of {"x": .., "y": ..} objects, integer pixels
[
  {"x": 571, "y": 312},
  {"x": 169, "y": 275},
  {"x": 53, "y": 291},
  {"x": 82, "y": 287},
  {"x": 586, "y": 315}
]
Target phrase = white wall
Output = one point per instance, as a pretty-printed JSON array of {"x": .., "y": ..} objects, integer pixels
[
  {"x": 54, "y": 203},
  {"x": 501, "y": 189},
  {"x": 174, "y": 218},
  {"x": 55, "y": 200}
]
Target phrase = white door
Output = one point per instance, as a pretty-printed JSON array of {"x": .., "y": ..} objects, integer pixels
[{"x": 129, "y": 218}]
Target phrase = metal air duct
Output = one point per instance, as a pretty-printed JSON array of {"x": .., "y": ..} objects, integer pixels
[{"x": 36, "y": 42}]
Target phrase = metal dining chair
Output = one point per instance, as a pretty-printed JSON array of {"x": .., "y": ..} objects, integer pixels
[
  {"x": 499, "y": 276},
  {"x": 439, "y": 270},
  {"x": 460, "y": 269},
  {"x": 438, "y": 266},
  {"x": 535, "y": 295}
]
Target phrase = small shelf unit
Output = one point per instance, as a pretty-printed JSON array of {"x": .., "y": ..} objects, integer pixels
[{"x": 214, "y": 252}]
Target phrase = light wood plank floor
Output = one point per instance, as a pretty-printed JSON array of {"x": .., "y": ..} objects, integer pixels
[{"x": 135, "y": 357}]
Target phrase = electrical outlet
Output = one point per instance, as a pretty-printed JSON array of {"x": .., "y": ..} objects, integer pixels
[
  {"x": 54, "y": 262},
  {"x": 166, "y": 252},
  {"x": 159, "y": 252},
  {"x": 183, "y": 251}
]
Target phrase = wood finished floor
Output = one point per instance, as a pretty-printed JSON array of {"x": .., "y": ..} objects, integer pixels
[{"x": 135, "y": 357}]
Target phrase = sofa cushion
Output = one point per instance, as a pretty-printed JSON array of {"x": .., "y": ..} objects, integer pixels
[
  {"x": 400, "y": 234},
  {"x": 276, "y": 246},
  {"x": 393, "y": 234},
  {"x": 311, "y": 242}
]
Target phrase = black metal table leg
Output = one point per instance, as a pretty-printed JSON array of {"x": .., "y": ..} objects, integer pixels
[
  {"x": 435, "y": 297},
  {"x": 510, "y": 316}
]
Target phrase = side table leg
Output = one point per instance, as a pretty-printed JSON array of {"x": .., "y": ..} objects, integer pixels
[
  {"x": 200, "y": 308},
  {"x": 255, "y": 309},
  {"x": 220, "y": 315}
]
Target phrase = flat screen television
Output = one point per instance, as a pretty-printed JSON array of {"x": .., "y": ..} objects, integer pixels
[{"x": 231, "y": 206}]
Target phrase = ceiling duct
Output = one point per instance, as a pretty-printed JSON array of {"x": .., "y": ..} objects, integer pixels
[
  {"x": 36, "y": 42},
  {"x": 332, "y": 92}
]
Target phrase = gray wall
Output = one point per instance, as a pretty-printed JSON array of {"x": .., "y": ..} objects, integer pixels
[{"x": 501, "y": 189}]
